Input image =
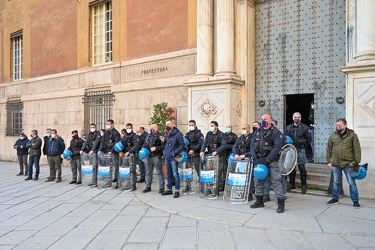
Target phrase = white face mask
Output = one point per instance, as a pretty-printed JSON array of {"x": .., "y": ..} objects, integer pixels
[
  {"x": 108, "y": 127},
  {"x": 139, "y": 134},
  {"x": 21, "y": 137},
  {"x": 53, "y": 135},
  {"x": 312, "y": 106},
  {"x": 191, "y": 128},
  {"x": 101, "y": 134},
  {"x": 92, "y": 130},
  {"x": 128, "y": 130}
]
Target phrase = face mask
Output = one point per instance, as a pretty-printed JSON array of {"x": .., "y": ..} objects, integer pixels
[
  {"x": 152, "y": 131},
  {"x": 21, "y": 137},
  {"x": 53, "y": 135},
  {"x": 92, "y": 130},
  {"x": 128, "y": 130},
  {"x": 340, "y": 129},
  {"x": 312, "y": 106},
  {"x": 244, "y": 132},
  {"x": 297, "y": 121},
  {"x": 108, "y": 127},
  {"x": 264, "y": 123},
  {"x": 101, "y": 134},
  {"x": 227, "y": 130},
  {"x": 255, "y": 128},
  {"x": 168, "y": 128},
  {"x": 48, "y": 134},
  {"x": 191, "y": 128},
  {"x": 212, "y": 129},
  {"x": 139, "y": 134}
]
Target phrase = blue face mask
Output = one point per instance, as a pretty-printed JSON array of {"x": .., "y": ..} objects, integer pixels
[
  {"x": 244, "y": 132},
  {"x": 297, "y": 121},
  {"x": 152, "y": 131},
  {"x": 212, "y": 129},
  {"x": 264, "y": 123},
  {"x": 227, "y": 130}
]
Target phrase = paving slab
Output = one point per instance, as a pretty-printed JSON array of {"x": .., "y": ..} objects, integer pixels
[{"x": 48, "y": 215}]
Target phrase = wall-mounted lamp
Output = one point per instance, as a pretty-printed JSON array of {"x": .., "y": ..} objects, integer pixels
[
  {"x": 262, "y": 103},
  {"x": 340, "y": 100}
]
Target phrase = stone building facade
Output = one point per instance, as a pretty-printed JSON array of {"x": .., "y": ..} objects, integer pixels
[{"x": 65, "y": 64}]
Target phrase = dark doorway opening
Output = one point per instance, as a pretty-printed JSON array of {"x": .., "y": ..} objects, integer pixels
[{"x": 298, "y": 103}]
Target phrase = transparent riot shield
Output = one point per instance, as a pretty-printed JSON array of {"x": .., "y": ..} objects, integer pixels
[
  {"x": 237, "y": 182},
  {"x": 88, "y": 165},
  {"x": 126, "y": 166},
  {"x": 188, "y": 177},
  {"x": 208, "y": 181},
  {"x": 105, "y": 163}
]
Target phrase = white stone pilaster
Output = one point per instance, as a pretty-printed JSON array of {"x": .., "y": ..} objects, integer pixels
[
  {"x": 365, "y": 22},
  {"x": 204, "y": 38},
  {"x": 225, "y": 37}
]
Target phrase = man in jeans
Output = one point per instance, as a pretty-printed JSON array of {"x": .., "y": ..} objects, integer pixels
[
  {"x": 343, "y": 155},
  {"x": 55, "y": 149},
  {"x": 34, "y": 146}
]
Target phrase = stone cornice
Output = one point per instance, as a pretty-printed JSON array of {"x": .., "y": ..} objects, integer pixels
[
  {"x": 370, "y": 67},
  {"x": 214, "y": 80}
]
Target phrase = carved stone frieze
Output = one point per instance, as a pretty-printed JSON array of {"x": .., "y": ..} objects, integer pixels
[{"x": 208, "y": 108}]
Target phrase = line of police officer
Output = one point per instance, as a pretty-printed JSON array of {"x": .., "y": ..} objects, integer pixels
[{"x": 262, "y": 145}]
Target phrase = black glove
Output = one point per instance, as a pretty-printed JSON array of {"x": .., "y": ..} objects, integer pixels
[{"x": 262, "y": 161}]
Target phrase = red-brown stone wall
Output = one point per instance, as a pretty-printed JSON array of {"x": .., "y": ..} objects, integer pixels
[
  {"x": 53, "y": 37},
  {"x": 156, "y": 26}
]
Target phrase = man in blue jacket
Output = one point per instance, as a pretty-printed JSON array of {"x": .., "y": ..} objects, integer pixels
[
  {"x": 173, "y": 145},
  {"x": 56, "y": 147},
  {"x": 22, "y": 152}
]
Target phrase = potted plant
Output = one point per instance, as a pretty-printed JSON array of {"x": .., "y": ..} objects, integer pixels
[{"x": 162, "y": 113}]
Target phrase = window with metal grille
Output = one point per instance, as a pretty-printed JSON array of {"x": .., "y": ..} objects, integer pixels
[
  {"x": 98, "y": 108},
  {"x": 102, "y": 32},
  {"x": 17, "y": 55},
  {"x": 14, "y": 117}
]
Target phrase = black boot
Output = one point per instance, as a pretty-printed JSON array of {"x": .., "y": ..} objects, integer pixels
[
  {"x": 292, "y": 179},
  {"x": 258, "y": 202},
  {"x": 280, "y": 206},
  {"x": 303, "y": 173}
]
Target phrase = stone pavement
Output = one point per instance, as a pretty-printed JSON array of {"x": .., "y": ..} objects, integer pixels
[{"x": 48, "y": 215}]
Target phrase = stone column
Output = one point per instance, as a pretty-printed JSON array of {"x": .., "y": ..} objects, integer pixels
[
  {"x": 204, "y": 38},
  {"x": 225, "y": 37},
  {"x": 365, "y": 22}
]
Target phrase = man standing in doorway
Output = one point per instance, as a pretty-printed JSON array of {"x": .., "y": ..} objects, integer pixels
[
  {"x": 343, "y": 155},
  {"x": 300, "y": 133}
]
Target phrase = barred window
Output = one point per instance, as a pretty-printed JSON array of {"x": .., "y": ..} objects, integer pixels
[
  {"x": 17, "y": 55},
  {"x": 14, "y": 117},
  {"x": 102, "y": 33},
  {"x": 98, "y": 108}
]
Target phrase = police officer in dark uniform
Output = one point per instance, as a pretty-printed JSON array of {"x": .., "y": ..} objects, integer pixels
[
  {"x": 231, "y": 140},
  {"x": 141, "y": 138},
  {"x": 215, "y": 143},
  {"x": 264, "y": 149},
  {"x": 109, "y": 139},
  {"x": 300, "y": 133},
  {"x": 195, "y": 138},
  {"x": 241, "y": 149},
  {"x": 75, "y": 163},
  {"x": 130, "y": 143},
  {"x": 155, "y": 146},
  {"x": 91, "y": 146}
]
